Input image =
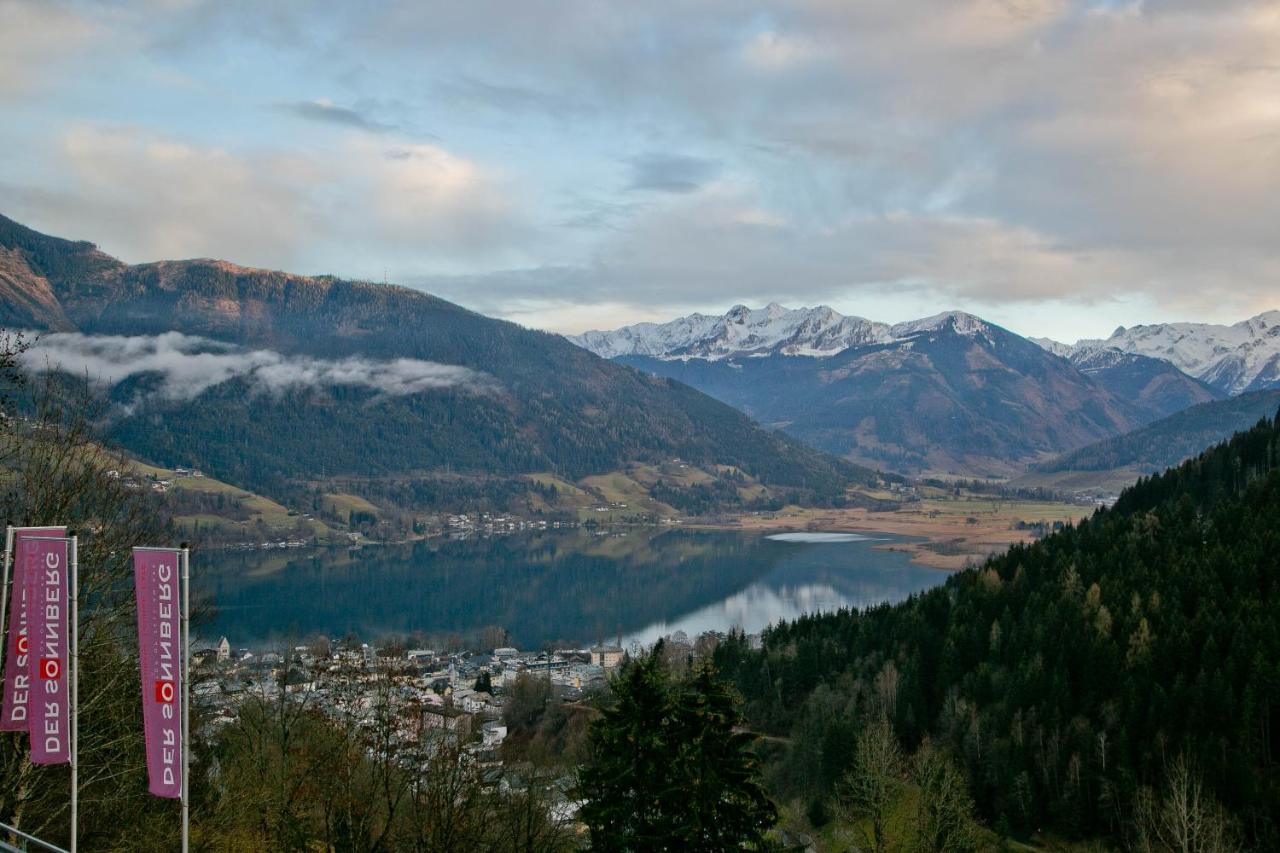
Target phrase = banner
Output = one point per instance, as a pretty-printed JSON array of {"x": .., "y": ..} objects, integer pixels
[
  {"x": 17, "y": 678},
  {"x": 155, "y": 583},
  {"x": 44, "y": 563}
]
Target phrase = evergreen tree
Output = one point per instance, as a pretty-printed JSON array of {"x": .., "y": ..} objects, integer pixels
[
  {"x": 727, "y": 804},
  {"x": 666, "y": 769},
  {"x": 484, "y": 682}
]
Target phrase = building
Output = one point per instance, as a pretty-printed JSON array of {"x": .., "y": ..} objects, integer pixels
[
  {"x": 450, "y": 719},
  {"x": 420, "y": 656},
  {"x": 606, "y": 656},
  {"x": 224, "y": 650},
  {"x": 494, "y": 733}
]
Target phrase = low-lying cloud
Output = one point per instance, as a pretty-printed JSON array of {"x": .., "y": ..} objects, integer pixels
[{"x": 189, "y": 365}]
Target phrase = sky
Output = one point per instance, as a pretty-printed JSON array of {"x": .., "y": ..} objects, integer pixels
[{"x": 1059, "y": 168}]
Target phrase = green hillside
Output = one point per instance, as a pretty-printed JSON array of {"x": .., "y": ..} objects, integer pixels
[
  {"x": 1157, "y": 446},
  {"x": 1068, "y": 676},
  {"x": 540, "y": 404}
]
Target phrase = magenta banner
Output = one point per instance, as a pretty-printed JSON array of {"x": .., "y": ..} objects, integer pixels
[
  {"x": 45, "y": 565},
  {"x": 155, "y": 583},
  {"x": 14, "y": 713}
]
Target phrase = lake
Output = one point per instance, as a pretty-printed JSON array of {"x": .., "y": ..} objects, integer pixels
[{"x": 573, "y": 587}]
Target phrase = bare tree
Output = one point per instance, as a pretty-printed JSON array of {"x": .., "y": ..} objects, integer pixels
[
  {"x": 55, "y": 472},
  {"x": 1184, "y": 817},
  {"x": 944, "y": 810},
  {"x": 873, "y": 785}
]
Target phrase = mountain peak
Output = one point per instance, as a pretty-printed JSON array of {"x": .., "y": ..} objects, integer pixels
[
  {"x": 957, "y": 321},
  {"x": 1244, "y": 356},
  {"x": 743, "y": 332}
]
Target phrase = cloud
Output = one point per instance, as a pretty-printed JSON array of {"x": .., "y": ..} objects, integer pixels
[
  {"x": 772, "y": 51},
  {"x": 671, "y": 173},
  {"x": 357, "y": 207},
  {"x": 189, "y": 365},
  {"x": 35, "y": 34},
  {"x": 1021, "y": 153},
  {"x": 509, "y": 98},
  {"x": 328, "y": 113}
]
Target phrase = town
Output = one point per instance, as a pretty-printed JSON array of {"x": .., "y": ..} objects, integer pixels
[{"x": 410, "y": 706}]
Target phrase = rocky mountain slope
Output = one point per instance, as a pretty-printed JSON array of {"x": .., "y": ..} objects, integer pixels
[
  {"x": 1234, "y": 359},
  {"x": 276, "y": 381},
  {"x": 951, "y": 393}
]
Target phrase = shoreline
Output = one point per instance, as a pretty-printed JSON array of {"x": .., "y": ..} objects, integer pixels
[{"x": 944, "y": 541}]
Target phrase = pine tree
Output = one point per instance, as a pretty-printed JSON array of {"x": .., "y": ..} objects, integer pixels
[
  {"x": 727, "y": 804},
  {"x": 666, "y": 769}
]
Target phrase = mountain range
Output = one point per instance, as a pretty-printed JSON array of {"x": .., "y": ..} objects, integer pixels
[
  {"x": 293, "y": 385},
  {"x": 952, "y": 393},
  {"x": 1234, "y": 359},
  {"x": 299, "y": 385},
  {"x": 1112, "y": 464}
]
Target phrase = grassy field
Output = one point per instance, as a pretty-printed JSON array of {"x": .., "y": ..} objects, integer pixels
[
  {"x": 947, "y": 531},
  {"x": 621, "y": 487},
  {"x": 261, "y": 510},
  {"x": 342, "y": 504}
]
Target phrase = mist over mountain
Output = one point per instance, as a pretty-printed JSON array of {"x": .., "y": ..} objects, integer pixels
[
  {"x": 951, "y": 393},
  {"x": 367, "y": 381}
]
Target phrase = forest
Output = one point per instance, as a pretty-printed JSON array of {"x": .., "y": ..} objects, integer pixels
[{"x": 1071, "y": 678}]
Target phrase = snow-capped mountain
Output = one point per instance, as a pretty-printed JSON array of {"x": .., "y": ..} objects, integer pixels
[
  {"x": 1241, "y": 357},
  {"x": 949, "y": 393},
  {"x": 773, "y": 330}
]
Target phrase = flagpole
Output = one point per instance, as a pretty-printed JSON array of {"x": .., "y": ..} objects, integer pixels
[
  {"x": 186, "y": 696},
  {"x": 4, "y": 592},
  {"x": 75, "y": 688}
]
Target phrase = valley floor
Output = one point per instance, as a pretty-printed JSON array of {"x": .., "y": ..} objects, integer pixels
[{"x": 945, "y": 534}]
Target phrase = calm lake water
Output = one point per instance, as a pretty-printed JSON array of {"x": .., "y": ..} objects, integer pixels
[{"x": 573, "y": 587}]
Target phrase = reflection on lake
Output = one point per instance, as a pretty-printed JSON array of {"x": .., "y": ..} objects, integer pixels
[{"x": 573, "y": 587}]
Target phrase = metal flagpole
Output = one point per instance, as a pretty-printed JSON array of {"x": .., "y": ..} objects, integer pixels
[
  {"x": 75, "y": 688},
  {"x": 186, "y": 696},
  {"x": 4, "y": 591}
]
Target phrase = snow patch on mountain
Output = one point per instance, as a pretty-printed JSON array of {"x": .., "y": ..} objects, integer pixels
[
  {"x": 743, "y": 332},
  {"x": 1242, "y": 357}
]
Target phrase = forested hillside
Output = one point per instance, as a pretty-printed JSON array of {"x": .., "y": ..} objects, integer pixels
[
  {"x": 1169, "y": 441},
  {"x": 530, "y": 402},
  {"x": 1072, "y": 677}
]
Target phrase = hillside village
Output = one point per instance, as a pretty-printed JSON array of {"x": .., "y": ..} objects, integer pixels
[{"x": 411, "y": 705}]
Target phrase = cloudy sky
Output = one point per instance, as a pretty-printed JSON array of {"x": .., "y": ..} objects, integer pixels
[{"x": 1061, "y": 168}]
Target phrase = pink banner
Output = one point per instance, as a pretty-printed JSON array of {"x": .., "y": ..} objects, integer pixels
[
  {"x": 48, "y": 609},
  {"x": 17, "y": 678},
  {"x": 155, "y": 583}
]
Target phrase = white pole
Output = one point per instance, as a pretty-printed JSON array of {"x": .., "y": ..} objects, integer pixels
[
  {"x": 4, "y": 592},
  {"x": 75, "y": 688},
  {"x": 186, "y": 696}
]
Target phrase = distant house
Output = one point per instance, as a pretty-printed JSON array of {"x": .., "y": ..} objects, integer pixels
[
  {"x": 475, "y": 702},
  {"x": 299, "y": 681},
  {"x": 494, "y": 733},
  {"x": 606, "y": 656},
  {"x": 224, "y": 650},
  {"x": 448, "y": 718}
]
